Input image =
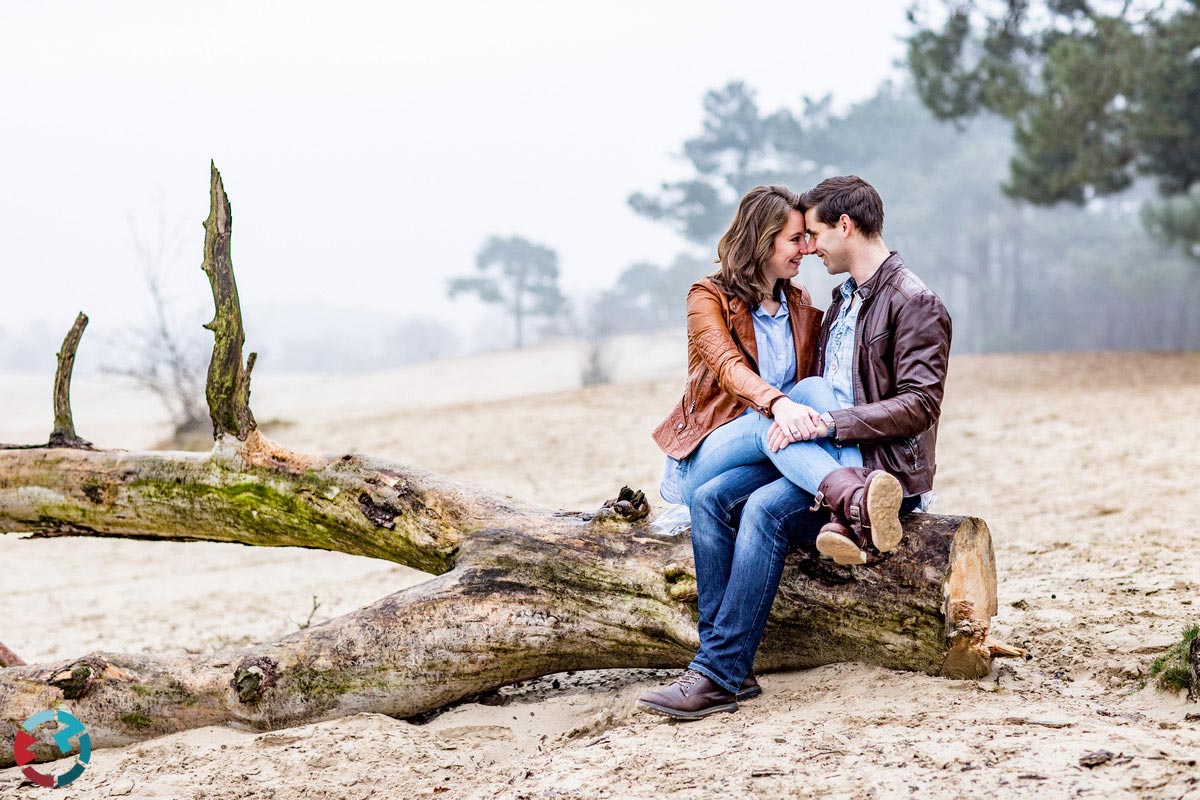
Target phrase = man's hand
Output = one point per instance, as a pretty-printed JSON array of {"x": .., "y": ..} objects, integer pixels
[{"x": 793, "y": 423}]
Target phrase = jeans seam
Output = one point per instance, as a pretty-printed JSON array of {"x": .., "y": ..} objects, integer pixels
[{"x": 762, "y": 599}]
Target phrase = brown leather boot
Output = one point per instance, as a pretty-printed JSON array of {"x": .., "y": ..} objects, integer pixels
[
  {"x": 749, "y": 688},
  {"x": 864, "y": 511},
  {"x": 690, "y": 696}
]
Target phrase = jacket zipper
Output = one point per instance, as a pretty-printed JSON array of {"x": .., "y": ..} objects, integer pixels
[{"x": 859, "y": 323}]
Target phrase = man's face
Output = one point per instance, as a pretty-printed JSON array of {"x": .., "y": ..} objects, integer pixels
[{"x": 829, "y": 242}]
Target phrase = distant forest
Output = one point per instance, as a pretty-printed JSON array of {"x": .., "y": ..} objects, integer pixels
[{"x": 1016, "y": 277}]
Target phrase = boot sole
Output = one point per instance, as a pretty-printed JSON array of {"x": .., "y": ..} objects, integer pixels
[
  {"x": 675, "y": 713},
  {"x": 748, "y": 694},
  {"x": 884, "y": 498},
  {"x": 840, "y": 548}
]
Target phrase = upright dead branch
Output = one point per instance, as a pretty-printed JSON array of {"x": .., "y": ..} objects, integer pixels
[
  {"x": 63, "y": 434},
  {"x": 228, "y": 389}
]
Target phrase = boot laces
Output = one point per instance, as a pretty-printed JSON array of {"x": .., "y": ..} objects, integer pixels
[{"x": 687, "y": 680}]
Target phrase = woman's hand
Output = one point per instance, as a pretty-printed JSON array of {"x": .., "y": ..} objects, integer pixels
[{"x": 794, "y": 422}]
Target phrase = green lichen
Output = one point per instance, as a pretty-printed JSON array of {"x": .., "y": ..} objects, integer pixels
[
  {"x": 137, "y": 720},
  {"x": 264, "y": 514}
]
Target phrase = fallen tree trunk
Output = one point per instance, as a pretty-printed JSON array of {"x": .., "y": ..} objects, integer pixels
[
  {"x": 518, "y": 591},
  {"x": 522, "y": 591}
]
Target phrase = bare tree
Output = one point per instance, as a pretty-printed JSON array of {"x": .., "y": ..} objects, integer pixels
[{"x": 164, "y": 361}]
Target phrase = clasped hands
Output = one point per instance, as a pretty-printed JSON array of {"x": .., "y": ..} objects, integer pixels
[{"x": 794, "y": 422}]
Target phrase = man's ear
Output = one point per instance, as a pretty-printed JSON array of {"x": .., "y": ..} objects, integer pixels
[{"x": 846, "y": 224}]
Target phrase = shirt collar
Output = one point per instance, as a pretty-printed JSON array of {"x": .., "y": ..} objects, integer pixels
[{"x": 761, "y": 312}]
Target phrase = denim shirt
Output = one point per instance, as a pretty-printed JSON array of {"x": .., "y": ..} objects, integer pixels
[
  {"x": 839, "y": 350},
  {"x": 776, "y": 349}
]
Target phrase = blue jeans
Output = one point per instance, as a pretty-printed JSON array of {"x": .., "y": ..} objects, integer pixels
[
  {"x": 744, "y": 522},
  {"x": 743, "y": 441}
]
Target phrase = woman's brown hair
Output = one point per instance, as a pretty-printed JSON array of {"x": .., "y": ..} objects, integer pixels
[{"x": 745, "y": 247}]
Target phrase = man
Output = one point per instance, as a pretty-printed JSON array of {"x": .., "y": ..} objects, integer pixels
[{"x": 883, "y": 348}]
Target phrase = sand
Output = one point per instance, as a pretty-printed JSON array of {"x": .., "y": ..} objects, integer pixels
[{"x": 1084, "y": 466}]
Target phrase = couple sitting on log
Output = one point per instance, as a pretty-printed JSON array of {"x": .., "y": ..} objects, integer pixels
[{"x": 843, "y": 407}]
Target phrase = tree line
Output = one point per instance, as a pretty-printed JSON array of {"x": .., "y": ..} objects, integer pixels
[{"x": 1017, "y": 276}]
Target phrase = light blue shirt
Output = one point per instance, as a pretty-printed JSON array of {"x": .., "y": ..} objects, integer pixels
[
  {"x": 776, "y": 350},
  {"x": 839, "y": 350}
]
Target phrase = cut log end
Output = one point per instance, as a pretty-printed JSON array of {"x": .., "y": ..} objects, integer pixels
[{"x": 970, "y": 603}]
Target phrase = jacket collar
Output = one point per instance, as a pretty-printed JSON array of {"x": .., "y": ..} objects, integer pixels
[
  {"x": 741, "y": 319},
  {"x": 887, "y": 269}
]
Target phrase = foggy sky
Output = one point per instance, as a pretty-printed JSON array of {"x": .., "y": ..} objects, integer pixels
[{"x": 369, "y": 148}]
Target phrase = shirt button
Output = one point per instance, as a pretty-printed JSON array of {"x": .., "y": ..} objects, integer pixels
[{"x": 679, "y": 426}]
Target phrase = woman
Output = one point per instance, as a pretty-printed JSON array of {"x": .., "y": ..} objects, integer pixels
[{"x": 752, "y": 338}]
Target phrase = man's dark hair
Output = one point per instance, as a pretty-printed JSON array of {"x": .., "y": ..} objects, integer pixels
[{"x": 849, "y": 195}]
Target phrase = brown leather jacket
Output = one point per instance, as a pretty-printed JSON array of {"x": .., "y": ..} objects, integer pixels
[
  {"x": 901, "y": 348},
  {"x": 723, "y": 364}
]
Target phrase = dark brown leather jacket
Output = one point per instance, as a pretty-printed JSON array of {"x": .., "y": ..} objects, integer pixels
[
  {"x": 723, "y": 364},
  {"x": 901, "y": 348}
]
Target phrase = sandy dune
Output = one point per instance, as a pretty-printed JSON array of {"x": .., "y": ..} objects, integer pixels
[{"x": 1084, "y": 466}]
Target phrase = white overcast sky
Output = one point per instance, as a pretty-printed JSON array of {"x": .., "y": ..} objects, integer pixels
[{"x": 369, "y": 148}]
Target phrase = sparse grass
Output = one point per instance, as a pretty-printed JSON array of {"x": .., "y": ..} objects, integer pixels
[
  {"x": 1172, "y": 670},
  {"x": 315, "y": 605}
]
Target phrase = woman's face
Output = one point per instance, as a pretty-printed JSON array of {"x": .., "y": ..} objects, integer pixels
[{"x": 790, "y": 245}]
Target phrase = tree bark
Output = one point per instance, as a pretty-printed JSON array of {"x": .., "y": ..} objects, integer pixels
[
  {"x": 63, "y": 434},
  {"x": 520, "y": 591}
]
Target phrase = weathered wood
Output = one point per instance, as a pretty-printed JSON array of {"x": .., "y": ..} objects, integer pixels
[
  {"x": 228, "y": 389},
  {"x": 521, "y": 591},
  {"x": 8, "y": 658},
  {"x": 63, "y": 434}
]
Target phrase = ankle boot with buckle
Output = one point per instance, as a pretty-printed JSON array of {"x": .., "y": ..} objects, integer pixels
[
  {"x": 690, "y": 696},
  {"x": 864, "y": 511}
]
